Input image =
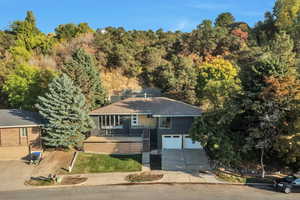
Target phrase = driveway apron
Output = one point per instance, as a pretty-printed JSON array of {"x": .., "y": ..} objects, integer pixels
[{"x": 188, "y": 160}]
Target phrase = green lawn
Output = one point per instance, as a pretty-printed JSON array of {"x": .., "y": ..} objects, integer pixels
[{"x": 99, "y": 163}]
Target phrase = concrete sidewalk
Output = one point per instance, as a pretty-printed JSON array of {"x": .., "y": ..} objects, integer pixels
[{"x": 169, "y": 177}]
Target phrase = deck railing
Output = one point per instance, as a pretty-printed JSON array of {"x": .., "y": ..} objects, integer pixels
[{"x": 111, "y": 133}]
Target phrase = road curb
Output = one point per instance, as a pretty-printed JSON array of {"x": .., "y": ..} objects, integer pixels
[
  {"x": 149, "y": 183},
  {"x": 193, "y": 183}
]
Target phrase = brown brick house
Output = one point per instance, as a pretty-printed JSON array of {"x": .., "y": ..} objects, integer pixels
[{"x": 20, "y": 133}]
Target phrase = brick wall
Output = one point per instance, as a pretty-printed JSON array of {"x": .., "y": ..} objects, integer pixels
[
  {"x": 113, "y": 148},
  {"x": 15, "y": 147},
  {"x": 12, "y": 137}
]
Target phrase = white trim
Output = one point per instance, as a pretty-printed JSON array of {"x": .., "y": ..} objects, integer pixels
[
  {"x": 176, "y": 115},
  {"x": 22, "y": 126},
  {"x": 97, "y": 114},
  {"x": 137, "y": 121},
  {"x": 111, "y": 127}
]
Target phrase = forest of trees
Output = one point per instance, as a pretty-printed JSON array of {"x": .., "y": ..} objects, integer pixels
[{"x": 246, "y": 79}]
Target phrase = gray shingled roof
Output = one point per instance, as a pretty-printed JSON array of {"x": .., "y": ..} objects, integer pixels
[
  {"x": 157, "y": 106},
  {"x": 19, "y": 118}
]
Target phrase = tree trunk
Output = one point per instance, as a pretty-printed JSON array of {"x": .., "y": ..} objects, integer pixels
[{"x": 262, "y": 163}]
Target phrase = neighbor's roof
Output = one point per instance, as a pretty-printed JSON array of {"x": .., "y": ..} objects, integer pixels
[
  {"x": 157, "y": 106},
  {"x": 19, "y": 118}
]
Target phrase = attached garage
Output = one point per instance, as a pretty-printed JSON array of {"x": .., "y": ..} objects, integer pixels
[
  {"x": 172, "y": 141},
  {"x": 179, "y": 142},
  {"x": 188, "y": 143}
]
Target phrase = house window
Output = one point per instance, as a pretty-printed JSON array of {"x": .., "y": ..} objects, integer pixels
[
  {"x": 165, "y": 122},
  {"x": 111, "y": 121},
  {"x": 23, "y": 132},
  {"x": 134, "y": 120}
]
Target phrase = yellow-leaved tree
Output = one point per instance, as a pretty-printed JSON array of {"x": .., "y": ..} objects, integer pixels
[
  {"x": 286, "y": 11},
  {"x": 217, "y": 79}
]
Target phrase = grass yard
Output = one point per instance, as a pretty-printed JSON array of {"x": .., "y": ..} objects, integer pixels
[{"x": 100, "y": 163}]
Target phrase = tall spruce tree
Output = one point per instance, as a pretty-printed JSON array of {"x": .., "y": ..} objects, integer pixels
[
  {"x": 82, "y": 70},
  {"x": 66, "y": 114}
]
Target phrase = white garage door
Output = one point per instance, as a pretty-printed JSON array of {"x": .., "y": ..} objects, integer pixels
[
  {"x": 171, "y": 141},
  {"x": 188, "y": 143}
]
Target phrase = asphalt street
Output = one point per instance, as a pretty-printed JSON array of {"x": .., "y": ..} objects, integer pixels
[{"x": 153, "y": 192}]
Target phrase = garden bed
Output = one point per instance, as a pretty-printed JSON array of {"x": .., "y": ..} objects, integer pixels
[
  {"x": 68, "y": 180},
  {"x": 39, "y": 182},
  {"x": 236, "y": 178},
  {"x": 143, "y": 177},
  {"x": 42, "y": 181}
]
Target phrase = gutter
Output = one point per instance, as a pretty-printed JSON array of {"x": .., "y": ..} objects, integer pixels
[
  {"x": 99, "y": 114},
  {"x": 22, "y": 126},
  {"x": 176, "y": 115}
]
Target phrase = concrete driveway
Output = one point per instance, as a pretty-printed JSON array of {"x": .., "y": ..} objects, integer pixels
[
  {"x": 13, "y": 174},
  {"x": 189, "y": 160}
]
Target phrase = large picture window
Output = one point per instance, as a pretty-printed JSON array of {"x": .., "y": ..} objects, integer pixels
[
  {"x": 165, "y": 122},
  {"x": 111, "y": 121}
]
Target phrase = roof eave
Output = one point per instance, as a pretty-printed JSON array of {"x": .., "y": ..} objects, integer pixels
[
  {"x": 134, "y": 113},
  {"x": 22, "y": 126},
  {"x": 191, "y": 115},
  {"x": 177, "y": 115}
]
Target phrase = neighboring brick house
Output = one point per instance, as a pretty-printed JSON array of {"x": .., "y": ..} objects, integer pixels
[
  {"x": 20, "y": 133},
  {"x": 120, "y": 126}
]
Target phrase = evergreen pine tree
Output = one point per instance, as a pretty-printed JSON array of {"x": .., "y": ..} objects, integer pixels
[
  {"x": 82, "y": 70},
  {"x": 65, "y": 112}
]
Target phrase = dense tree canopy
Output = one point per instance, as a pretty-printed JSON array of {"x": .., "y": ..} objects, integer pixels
[
  {"x": 217, "y": 79},
  {"x": 224, "y": 19},
  {"x": 86, "y": 76},
  {"x": 25, "y": 84},
  {"x": 69, "y": 31},
  {"x": 286, "y": 12}
]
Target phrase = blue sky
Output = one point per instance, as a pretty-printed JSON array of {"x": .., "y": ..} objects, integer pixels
[{"x": 171, "y": 15}]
